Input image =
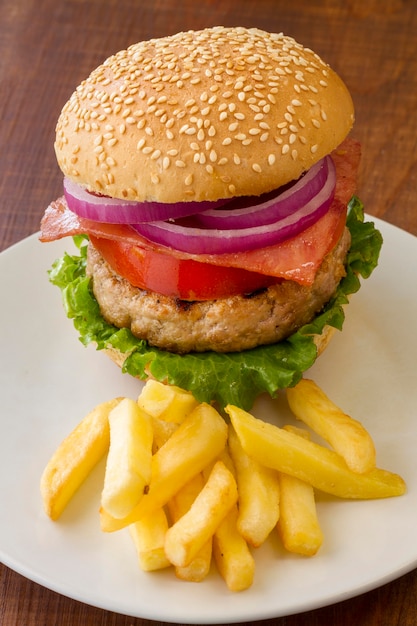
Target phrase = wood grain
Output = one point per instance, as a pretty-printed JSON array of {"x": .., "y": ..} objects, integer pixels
[{"x": 48, "y": 46}]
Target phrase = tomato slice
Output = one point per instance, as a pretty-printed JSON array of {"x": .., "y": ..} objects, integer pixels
[{"x": 185, "y": 279}]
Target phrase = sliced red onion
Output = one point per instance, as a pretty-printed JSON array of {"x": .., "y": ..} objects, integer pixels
[
  {"x": 116, "y": 211},
  {"x": 243, "y": 213},
  {"x": 216, "y": 241}
]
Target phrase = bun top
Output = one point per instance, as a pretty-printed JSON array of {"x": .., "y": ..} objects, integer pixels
[{"x": 202, "y": 115}]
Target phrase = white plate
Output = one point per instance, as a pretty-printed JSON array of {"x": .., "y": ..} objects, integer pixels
[{"x": 48, "y": 381}]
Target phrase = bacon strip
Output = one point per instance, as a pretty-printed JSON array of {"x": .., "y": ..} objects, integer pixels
[{"x": 295, "y": 259}]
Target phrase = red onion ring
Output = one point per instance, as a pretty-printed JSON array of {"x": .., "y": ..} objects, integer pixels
[
  {"x": 244, "y": 213},
  {"x": 116, "y": 211},
  {"x": 216, "y": 241}
]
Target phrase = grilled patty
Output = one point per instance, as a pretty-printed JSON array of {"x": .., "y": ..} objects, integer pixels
[{"x": 225, "y": 325}]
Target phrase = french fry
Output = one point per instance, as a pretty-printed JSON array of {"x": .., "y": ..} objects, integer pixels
[
  {"x": 179, "y": 504},
  {"x": 258, "y": 487},
  {"x": 298, "y": 524},
  {"x": 74, "y": 459},
  {"x": 110, "y": 524},
  {"x": 167, "y": 402},
  {"x": 324, "y": 469},
  {"x": 199, "y": 567},
  {"x": 196, "y": 442},
  {"x": 191, "y": 532},
  {"x": 297, "y": 430},
  {"x": 232, "y": 555},
  {"x": 162, "y": 431},
  {"x": 128, "y": 467},
  {"x": 346, "y": 435},
  {"x": 148, "y": 535}
]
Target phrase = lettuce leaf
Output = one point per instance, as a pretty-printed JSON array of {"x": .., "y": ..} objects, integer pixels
[{"x": 236, "y": 378}]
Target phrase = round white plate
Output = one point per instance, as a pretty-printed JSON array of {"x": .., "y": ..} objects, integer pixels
[{"x": 49, "y": 381}]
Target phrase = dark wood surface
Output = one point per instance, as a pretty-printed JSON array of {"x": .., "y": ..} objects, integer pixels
[{"x": 48, "y": 46}]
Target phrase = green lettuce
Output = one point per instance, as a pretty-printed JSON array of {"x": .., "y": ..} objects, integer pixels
[{"x": 236, "y": 378}]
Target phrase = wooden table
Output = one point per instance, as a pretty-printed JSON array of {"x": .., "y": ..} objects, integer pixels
[{"x": 48, "y": 46}]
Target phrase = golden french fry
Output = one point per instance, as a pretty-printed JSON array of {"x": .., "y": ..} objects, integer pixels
[
  {"x": 74, "y": 459},
  {"x": 196, "y": 442},
  {"x": 128, "y": 467},
  {"x": 233, "y": 558},
  {"x": 324, "y": 469},
  {"x": 199, "y": 567},
  {"x": 258, "y": 494},
  {"x": 301, "y": 432},
  {"x": 179, "y": 504},
  {"x": 148, "y": 535},
  {"x": 346, "y": 435},
  {"x": 191, "y": 532},
  {"x": 167, "y": 402},
  {"x": 162, "y": 431},
  {"x": 110, "y": 524},
  {"x": 298, "y": 523}
]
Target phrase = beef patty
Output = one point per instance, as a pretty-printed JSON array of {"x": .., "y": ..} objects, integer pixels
[{"x": 225, "y": 325}]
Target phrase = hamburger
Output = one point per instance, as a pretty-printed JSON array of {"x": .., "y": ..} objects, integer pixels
[{"x": 209, "y": 184}]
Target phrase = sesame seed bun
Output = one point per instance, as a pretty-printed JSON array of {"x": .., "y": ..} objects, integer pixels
[{"x": 202, "y": 115}]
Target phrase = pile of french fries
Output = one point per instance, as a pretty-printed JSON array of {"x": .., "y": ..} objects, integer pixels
[{"x": 194, "y": 487}]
